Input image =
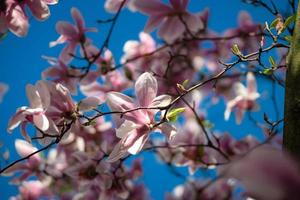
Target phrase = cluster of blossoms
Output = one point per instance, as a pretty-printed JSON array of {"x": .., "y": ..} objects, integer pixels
[
  {"x": 178, "y": 75},
  {"x": 14, "y": 17}
]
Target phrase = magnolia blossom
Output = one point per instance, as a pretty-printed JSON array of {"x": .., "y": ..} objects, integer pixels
[
  {"x": 247, "y": 31},
  {"x": 14, "y": 18},
  {"x": 50, "y": 104},
  {"x": 171, "y": 19},
  {"x": 134, "y": 127},
  {"x": 71, "y": 34},
  {"x": 34, "y": 190},
  {"x": 190, "y": 133},
  {"x": 28, "y": 168},
  {"x": 133, "y": 48},
  {"x": 196, "y": 156},
  {"x": 61, "y": 73},
  {"x": 244, "y": 98},
  {"x": 267, "y": 173},
  {"x": 38, "y": 96},
  {"x": 3, "y": 90}
]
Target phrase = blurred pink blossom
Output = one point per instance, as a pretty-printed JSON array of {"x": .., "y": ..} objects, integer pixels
[
  {"x": 244, "y": 99},
  {"x": 167, "y": 18},
  {"x": 14, "y": 18}
]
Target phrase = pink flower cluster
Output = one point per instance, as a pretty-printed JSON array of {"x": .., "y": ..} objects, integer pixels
[
  {"x": 14, "y": 17},
  {"x": 50, "y": 105}
]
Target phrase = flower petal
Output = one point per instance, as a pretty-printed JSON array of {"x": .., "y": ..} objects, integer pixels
[
  {"x": 24, "y": 148},
  {"x": 251, "y": 83},
  {"x": 39, "y": 9},
  {"x": 125, "y": 128},
  {"x": 16, "y": 119},
  {"x": 146, "y": 89},
  {"x": 119, "y": 102},
  {"x": 117, "y": 153},
  {"x": 78, "y": 19},
  {"x": 169, "y": 130},
  {"x": 17, "y": 21},
  {"x": 161, "y": 101},
  {"x": 33, "y": 96},
  {"x": 41, "y": 121},
  {"x": 153, "y": 7},
  {"x": 66, "y": 29},
  {"x": 138, "y": 144},
  {"x": 44, "y": 93},
  {"x": 88, "y": 103},
  {"x": 152, "y": 22}
]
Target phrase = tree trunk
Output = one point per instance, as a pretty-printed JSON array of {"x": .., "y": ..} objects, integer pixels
[{"x": 291, "y": 137}]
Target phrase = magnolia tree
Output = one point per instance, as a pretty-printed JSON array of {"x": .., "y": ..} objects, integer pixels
[{"x": 77, "y": 147}]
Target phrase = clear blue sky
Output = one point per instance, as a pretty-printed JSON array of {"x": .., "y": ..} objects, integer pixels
[{"x": 21, "y": 63}]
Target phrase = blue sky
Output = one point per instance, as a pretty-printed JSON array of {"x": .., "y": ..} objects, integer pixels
[{"x": 21, "y": 63}]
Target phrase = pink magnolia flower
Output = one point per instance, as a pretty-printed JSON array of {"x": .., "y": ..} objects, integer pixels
[
  {"x": 167, "y": 17},
  {"x": 50, "y": 105},
  {"x": 63, "y": 108},
  {"x": 71, "y": 34},
  {"x": 56, "y": 162},
  {"x": 246, "y": 28},
  {"x": 138, "y": 49},
  {"x": 134, "y": 127},
  {"x": 28, "y": 168},
  {"x": 267, "y": 173},
  {"x": 235, "y": 148},
  {"x": 190, "y": 133},
  {"x": 33, "y": 190},
  {"x": 61, "y": 73},
  {"x": 133, "y": 48},
  {"x": 244, "y": 98},
  {"x": 3, "y": 90},
  {"x": 14, "y": 18},
  {"x": 39, "y": 100}
]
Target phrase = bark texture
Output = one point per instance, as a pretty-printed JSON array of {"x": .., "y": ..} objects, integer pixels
[{"x": 291, "y": 137}]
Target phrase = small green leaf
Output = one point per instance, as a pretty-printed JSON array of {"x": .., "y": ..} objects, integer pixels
[
  {"x": 289, "y": 20},
  {"x": 173, "y": 114},
  {"x": 274, "y": 23},
  {"x": 267, "y": 72},
  {"x": 235, "y": 49},
  {"x": 272, "y": 61},
  {"x": 185, "y": 82}
]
